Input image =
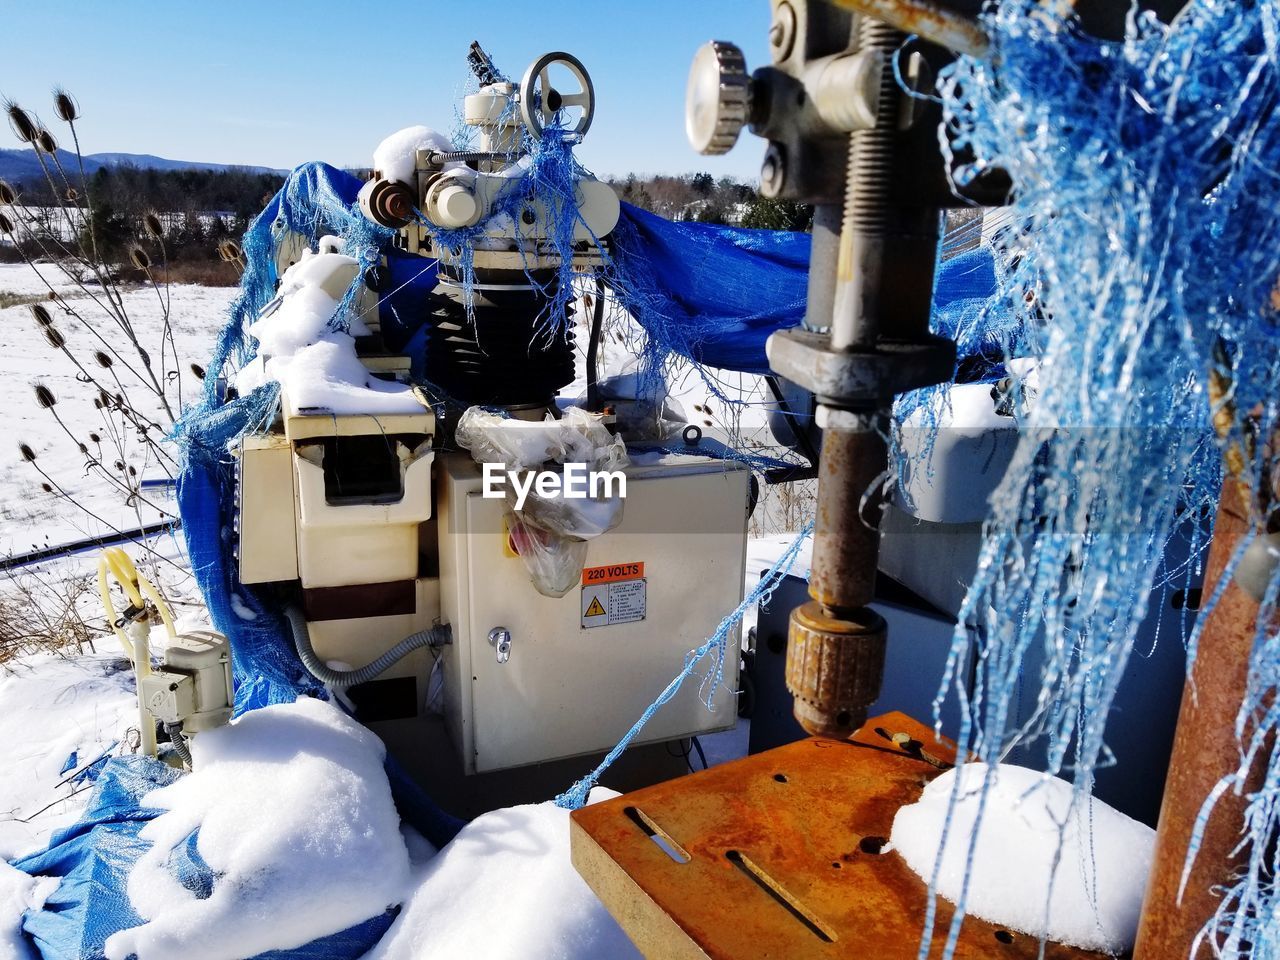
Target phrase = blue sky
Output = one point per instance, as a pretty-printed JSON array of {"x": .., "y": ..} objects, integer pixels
[{"x": 279, "y": 83}]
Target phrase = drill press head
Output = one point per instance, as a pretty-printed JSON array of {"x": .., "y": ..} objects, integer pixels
[{"x": 509, "y": 223}]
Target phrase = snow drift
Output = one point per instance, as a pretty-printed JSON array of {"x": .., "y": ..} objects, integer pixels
[
  {"x": 504, "y": 889},
  {"x": 1086, "y": 893},
  {"x": 296, "y": 822}
]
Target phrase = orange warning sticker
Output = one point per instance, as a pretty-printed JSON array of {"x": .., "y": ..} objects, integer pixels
[{"x": 611, "y": 573}]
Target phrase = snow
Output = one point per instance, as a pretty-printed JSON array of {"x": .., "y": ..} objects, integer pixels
[
  {"x": 21, "y": 280},
  {"x": 316, "y": 365},
  {"x": 762, "y": 554},
  {"x": 504, "y": 889},
  {"x": 1094, "y": 894},
  {"x": 396, "y": 156},
  {"x": 50, "y": 706},
  {"x": 19, "y": 893},
  {"x": 29, "y": 517},
  {"x": 297, "y": 824}
]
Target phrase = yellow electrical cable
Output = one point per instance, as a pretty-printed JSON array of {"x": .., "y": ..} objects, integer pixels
[
  {"x": 104, "y": 591},
  {"x": 125, "y": 572}
]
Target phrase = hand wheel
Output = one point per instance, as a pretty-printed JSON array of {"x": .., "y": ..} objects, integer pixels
[{"x": 540, "y": 100}]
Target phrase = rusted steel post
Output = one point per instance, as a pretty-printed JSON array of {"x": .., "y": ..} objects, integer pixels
[
  {"x": 846, "y": 538},
  {"x": 1205, "y": 749}
]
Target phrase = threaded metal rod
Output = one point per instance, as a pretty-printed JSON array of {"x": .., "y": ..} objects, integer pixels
[{"x": 867, "y": 205}]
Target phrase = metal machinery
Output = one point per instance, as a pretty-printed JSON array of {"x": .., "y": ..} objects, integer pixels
[
  {"x": 374, "y": 526},
  {"x": 495, "y": 352},
  {"x": 805, "y": 823}
]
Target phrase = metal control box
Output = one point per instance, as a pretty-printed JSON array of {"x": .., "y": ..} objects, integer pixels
[{"x": 581, "y": 669}]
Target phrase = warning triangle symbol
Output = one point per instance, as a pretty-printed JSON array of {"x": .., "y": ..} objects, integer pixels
[{"x": 594, "y": 610}]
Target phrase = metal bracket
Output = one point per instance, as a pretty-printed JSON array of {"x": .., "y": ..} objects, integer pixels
[{"x": 851, "y": 378}]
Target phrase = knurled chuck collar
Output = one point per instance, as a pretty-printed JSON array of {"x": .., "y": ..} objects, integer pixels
[
  {"x": 718, "y": 98},
  {"x": 834, "y": 668}
]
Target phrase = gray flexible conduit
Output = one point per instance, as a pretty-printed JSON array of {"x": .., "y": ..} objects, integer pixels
[
  {"x": 179, "y": 742},
  {"x": 437, "y": 636}
]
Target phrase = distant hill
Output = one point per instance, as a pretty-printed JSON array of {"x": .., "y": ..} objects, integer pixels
[{"x": 21, "y": 166}]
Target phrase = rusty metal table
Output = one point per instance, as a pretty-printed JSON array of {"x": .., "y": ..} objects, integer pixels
[{"x": 781, "y": 855}]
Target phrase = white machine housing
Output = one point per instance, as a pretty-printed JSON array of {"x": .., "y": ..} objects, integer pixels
[
  {"x": 565, "y": 688},
  {"x": 193, "y": 687},
  {"x": 357, "y": 558},
  {"x": 380, "y": 537}
]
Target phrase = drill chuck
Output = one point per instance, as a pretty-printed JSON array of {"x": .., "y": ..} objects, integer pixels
[{"x": 834, "y": 667}]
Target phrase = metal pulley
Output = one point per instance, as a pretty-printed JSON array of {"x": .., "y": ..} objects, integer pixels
[{"x": 387, "y": 202}]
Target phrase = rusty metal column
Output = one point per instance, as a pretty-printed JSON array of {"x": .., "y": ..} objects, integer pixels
[{"x": 1205, "y": 750}]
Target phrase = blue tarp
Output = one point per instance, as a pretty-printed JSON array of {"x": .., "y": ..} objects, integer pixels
[
  {"x": 714, "y": 294},
  {"x": 94, "y": 857},
  {"x": 710, "y": 293}
]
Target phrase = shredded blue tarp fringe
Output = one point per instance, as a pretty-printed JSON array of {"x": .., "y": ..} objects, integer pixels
[
  {"x": 716, "y": 648},
  {"x": 1142, "y": 251}
]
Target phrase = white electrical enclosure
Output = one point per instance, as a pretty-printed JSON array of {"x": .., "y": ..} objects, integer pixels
[{"x": 577, "y": 675}]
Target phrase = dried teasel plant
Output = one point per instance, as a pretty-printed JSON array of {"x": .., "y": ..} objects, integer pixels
[
  {"x": 24, "y": 127},
  {"x": 136, "y": 389},
  {"x": 65, "y": 106}
]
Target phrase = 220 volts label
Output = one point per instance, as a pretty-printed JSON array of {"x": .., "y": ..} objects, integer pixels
[
  {"x": 611, "y": 572},
  {"x": 612, "y": 594}
]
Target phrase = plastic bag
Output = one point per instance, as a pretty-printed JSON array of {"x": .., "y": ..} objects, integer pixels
[{"x": 550, "y": 532}]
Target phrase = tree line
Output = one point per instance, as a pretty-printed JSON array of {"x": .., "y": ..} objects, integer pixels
[
  {"x": 199, "y": 208},
  {"x": 701, "y": 197},
  {"x": 202, "y": 208}
]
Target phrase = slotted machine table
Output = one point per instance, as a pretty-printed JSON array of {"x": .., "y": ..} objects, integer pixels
[{"x": 780, "y": 855}]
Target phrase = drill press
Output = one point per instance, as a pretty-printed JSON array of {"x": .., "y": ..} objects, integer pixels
[
  {"x": 805, "y": 825},
  {"x": 846, "y": 137}
]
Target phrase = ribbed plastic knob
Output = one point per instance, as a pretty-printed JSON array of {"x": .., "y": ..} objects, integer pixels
[{"x": 718, "y": 99}]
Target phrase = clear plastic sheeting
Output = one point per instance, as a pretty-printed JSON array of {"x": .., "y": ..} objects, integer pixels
[{"x": 550, "y": 531}]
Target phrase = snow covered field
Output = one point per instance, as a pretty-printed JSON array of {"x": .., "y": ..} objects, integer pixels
[{"x": 29, "y": 517}]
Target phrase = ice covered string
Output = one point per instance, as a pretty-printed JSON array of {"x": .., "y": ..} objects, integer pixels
[
  {"x": 1142, "y": 253},
  {"x": 716, "y": 648}
]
